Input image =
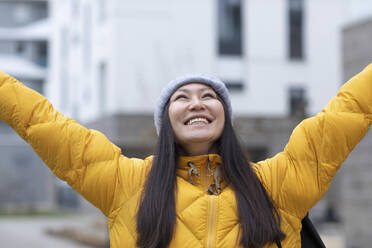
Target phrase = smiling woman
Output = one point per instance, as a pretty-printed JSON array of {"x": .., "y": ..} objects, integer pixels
[
  {"x": 198, "y": 190},
  {"x": 193, "y": 119},
  {"x": 197, "y": 118}
]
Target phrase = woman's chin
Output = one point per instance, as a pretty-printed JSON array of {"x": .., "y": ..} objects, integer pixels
[{"x": 198, "y": 141}]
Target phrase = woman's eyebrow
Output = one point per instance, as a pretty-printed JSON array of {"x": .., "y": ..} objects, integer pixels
[
  {"x": 183, "y": 90},
  {"x": 199, "y": 90},
  {"x": 206, "y": 88}
]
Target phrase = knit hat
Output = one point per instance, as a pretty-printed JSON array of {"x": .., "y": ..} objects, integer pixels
[{"x": 217, "y": 85}]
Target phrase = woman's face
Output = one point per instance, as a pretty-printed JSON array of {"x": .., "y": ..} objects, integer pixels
[{"x": 197, "y": 117}]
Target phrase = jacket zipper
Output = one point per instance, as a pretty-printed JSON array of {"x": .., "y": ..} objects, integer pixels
[
  {"x": 211, "y": 221},
  {"x": 205, "y": 177}
]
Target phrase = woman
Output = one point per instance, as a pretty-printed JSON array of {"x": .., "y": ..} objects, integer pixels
[{"x": 198, "y": 190}]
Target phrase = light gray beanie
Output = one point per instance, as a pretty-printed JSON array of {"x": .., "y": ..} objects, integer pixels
[{"x": 217, "y": 85}]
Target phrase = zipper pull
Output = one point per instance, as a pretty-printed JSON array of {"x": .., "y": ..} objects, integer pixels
[{"x": 191, "y": 171}]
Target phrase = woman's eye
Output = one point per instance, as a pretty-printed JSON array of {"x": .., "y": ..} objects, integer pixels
[
  {"x": 209, "y": 95},
  {"x": 180, "y": 97}
]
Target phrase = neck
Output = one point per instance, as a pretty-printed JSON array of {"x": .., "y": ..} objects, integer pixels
[{"x": 196, "y": 149}]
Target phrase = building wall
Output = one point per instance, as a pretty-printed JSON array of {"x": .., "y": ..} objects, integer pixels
[
  {"x": 357, "y": 10},
  {"x": 139, "y": 46},
  {"x": 20, "y": 12},
  {"x": 356, "y": 49},
  {"x": 25, "y": 183},
  {"x": 356, "y": 184}
]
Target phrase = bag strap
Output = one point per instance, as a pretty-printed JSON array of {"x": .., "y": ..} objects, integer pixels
[
  {"x": 278, "y": 244},
  {"x": 309, "y": 236}
]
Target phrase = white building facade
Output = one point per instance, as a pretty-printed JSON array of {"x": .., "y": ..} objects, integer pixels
[
  {"x": 114, "y": 56},
  {"x": 24, "y": 37}
]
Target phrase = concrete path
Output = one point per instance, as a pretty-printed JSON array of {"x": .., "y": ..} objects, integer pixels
[
  {"x": 333, "y": 235},
  {"x": 30, "y": 232}
]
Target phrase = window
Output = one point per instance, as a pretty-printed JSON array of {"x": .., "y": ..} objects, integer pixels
[
  {"x": 297, "y": 102},
  {"x": 229, "y": 27},
  {"x": 34, "y": 84},
  {"x": 42, "y": 53},
  {"x": 66, "y": 196},
  {"x": 64, "y": 55},
  {"x": 22, "y": 13},
  {"x": 7, "y": 47},
  {"x": 20, "y": 47},
  {"x": 102, "y": 87},
  {"x": 295, "y": 29},
  {"x": 256, "y": 154},
  {"x": 75, "y": 8},
  {"x": 87, "y": 38},
  {"x": 101, "y": 5},
  {"x": 234, "y": 86},
  {"x": 4, "y": 128}
]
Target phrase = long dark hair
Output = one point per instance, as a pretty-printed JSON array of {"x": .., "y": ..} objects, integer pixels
[
  {"x": 157, "y": 213},
  {"x": 259, "y": 219}
]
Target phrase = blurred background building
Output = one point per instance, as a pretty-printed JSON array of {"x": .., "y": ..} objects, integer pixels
[
  {"x": 356, "y": 184},
  {"x": 24, "y": 38},
  {"x": 104, "y": 62}
]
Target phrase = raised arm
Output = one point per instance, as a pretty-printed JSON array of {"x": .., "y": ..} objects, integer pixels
[
  {"x": 299, "y": 176},
  {"x": 84, "y": 158}
]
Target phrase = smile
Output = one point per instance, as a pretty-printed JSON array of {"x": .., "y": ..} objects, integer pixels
[{"x": 197, "y": 121}]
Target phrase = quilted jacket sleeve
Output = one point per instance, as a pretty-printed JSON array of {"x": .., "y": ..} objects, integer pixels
[
  {"x": 84, "y": 158},
  {"x": 299, "y": 176}
]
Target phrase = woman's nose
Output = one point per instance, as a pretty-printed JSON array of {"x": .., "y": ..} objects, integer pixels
[{"x": 196, "y": 103}]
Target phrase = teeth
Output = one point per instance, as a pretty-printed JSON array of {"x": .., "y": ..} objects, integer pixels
[{"x": 202, "y": 120}]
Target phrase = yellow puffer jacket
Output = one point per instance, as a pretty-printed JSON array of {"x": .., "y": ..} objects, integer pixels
[{"x": 295, "y": 178}]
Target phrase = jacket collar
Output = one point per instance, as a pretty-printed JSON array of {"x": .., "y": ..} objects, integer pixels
[{"x": 202, "y": 171}]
